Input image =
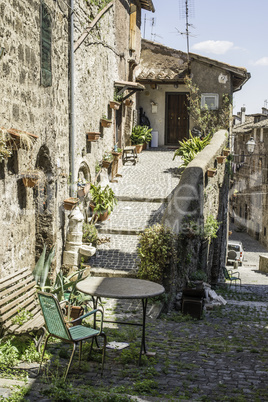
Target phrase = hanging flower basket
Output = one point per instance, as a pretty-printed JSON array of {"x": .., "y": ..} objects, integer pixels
[
  {"x": 30, "y": 179},
  {"x": 106, "y": 123},
  {"x": 115, "y": 105},
  {"x": 70, "y": 203},
  {"x": 91, "y": 136},
  {"x": 221, "y": 159},
  {"x": 211, "y": 172}
]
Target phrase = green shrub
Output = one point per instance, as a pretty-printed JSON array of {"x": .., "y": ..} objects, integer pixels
[
  {"x": 190, "y": 148},
  {"x": 141, "y": 135},
  {"x": 90, "y": 234},
  {"x": 156, "y": 247}
]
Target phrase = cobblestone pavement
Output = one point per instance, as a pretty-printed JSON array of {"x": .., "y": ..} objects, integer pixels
[
  {"x": 222, "y": 357},
  {"x": 142, "y": 193}
]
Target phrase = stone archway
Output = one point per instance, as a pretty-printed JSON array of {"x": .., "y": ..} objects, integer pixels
[{"x": 84, "y": 172}]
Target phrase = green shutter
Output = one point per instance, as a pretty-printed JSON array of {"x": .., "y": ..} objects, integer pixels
[{"x": 46, "y": 72}]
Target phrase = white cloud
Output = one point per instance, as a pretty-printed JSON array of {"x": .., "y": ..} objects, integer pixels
[
  {"x": 262, "y": 62},
  {"x": 214, "y": 46}
]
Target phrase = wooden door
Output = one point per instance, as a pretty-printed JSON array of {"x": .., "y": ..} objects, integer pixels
[{"x": 177, "y": 120}]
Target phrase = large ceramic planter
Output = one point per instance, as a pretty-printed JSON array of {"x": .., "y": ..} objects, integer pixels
[
  {"x": 70, "y": 203},
  {"x": 92, "y": 136},
  {"x": 106, "y": 123},
  {"x": 139, "y": 148},
  {"x": 76, "y": 312},
  {"x": 115, "y": 105}
]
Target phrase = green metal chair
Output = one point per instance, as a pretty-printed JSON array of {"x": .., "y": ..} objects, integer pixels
[
  {"x": 57, "y": 327},
  {"x": 231, "y": 276}
]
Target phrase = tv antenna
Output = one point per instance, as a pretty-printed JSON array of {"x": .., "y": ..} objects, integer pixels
[
  {"x": 265, "y": 103},
  {"x": 186, "y": 11},
  {"x": 153, "y": 22}
]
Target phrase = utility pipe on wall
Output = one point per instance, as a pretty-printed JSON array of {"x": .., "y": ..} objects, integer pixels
[{"x": 72, "y": 117}]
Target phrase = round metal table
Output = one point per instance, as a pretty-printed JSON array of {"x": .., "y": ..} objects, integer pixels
[{"x": 122, "y": 288}]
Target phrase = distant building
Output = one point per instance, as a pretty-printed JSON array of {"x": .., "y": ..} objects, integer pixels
[{"x": 249, "y": 200}]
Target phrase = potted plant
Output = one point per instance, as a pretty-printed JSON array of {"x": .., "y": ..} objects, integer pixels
[
  {"x": 221, "y": 159},
  {"x": 211, "y": 172},
  {"x": 31, "y": 178},
  {"x": 102, "y": 202},
  {"x": 107, "y": 159},
  {"x": 70, "y": 203},
  {"x": 93, "y": 136},
  {"x": 128, "y": 102},
  {"x": 116, "y": 102},
  {"x": 105, "y": 122},
  {"x": 226, "y": 151},
  {"x": 117, "y": 153},
  {"x": 140, "y": 135}
]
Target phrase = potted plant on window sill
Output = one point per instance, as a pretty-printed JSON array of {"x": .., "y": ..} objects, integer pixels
[
  {"x": 106, "y": 122},
  {"x": 93, "y": 136},
  {"x": 115, "y": 105},
  {"x": 102, "y": 201}
]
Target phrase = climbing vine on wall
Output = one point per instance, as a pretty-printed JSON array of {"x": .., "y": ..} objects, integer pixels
[{"x": 207, "y": 121}]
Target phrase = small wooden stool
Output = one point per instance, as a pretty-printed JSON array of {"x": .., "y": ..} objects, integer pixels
[{"x": 130, "y": 154}]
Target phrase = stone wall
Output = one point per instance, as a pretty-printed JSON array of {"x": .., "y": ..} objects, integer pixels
[
  {"x": 195, "y": 199},
  {"x": 31, "y": 217}
]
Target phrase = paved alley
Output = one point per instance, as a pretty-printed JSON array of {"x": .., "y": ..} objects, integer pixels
[{"x": 142, "y": 193}]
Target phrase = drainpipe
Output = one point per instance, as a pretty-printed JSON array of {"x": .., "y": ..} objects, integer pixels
[{"x": 72, "y": 117}]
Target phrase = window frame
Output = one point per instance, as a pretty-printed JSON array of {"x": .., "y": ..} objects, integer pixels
[{"x": 204, "y": 103}]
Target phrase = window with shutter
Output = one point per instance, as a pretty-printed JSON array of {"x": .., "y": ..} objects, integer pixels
[
  {"x": 132, "y": 27},
  {"x": 46, "y": 73}
]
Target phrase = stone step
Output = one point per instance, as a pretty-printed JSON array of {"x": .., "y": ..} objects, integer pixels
[
  {"x": 132, "y": 218},
  {"x": 116, "y": 257}
]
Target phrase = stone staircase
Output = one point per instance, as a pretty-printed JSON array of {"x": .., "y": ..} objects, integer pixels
[{"x": 142, "y": 193}]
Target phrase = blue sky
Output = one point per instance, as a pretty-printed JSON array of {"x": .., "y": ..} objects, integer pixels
[{"x": 231, "y": 31}]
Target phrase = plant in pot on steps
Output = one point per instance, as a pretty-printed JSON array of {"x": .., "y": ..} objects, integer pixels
[
  {"x": 102, "y": 201},
  {"x": 140, "y": 135}
]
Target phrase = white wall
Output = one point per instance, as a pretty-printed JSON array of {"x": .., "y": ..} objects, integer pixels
[{"x": 157, "y": 96}]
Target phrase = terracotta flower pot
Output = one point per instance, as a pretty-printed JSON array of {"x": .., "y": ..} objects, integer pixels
[
  {"x": 128, "y": 102},
  {"x": 226, "y": 152},
  {"x": 139, "y": 148},
  {"x": 106, "y": 123},
  {"x": 101, "y": 217},
  {"x": 221, "y": 159},
  {"x": 106, "y": 164},
  {"x": 211, "y": 172},
  {"x": 70, "y": 203},
  {"x": 115, "y": 105},
  {"x": 91, "y": 136}
]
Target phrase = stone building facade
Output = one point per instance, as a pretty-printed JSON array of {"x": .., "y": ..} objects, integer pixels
[
  {"x": 249, "y": 201},
  {"x": 165, "y": 99},
  {"x": 36, "y": 96}
]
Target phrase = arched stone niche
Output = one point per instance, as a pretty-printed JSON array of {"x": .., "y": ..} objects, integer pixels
[{"x": 84, "y": 173}]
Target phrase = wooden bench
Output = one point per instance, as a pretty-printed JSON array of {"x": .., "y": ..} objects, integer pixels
[{"x": 18, "y": 295}]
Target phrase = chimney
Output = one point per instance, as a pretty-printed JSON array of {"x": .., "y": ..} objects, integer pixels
[
  {"x": 265, "y": 111},
  {"x": 243, "y": 115}
]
